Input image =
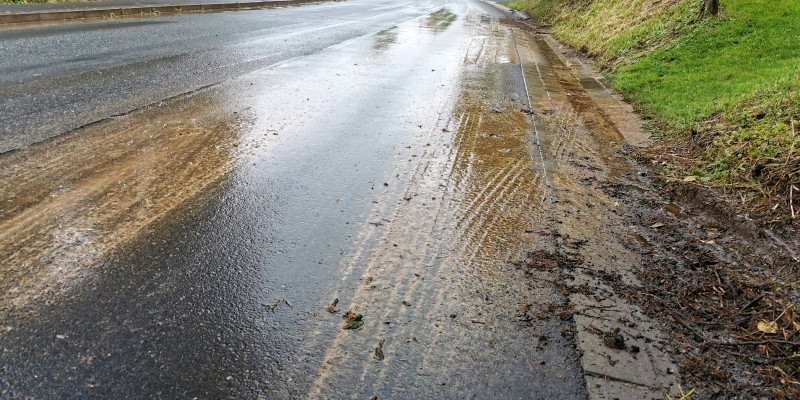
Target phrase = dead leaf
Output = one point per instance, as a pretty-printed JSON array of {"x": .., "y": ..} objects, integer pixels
[
  {"x": 690, "y": 178},
  {"x": 348, "y": 316},
  {"x": 657, "y": 225},
  {"x": 767, "y": 327},
  {"x": 332, "y": 307}
]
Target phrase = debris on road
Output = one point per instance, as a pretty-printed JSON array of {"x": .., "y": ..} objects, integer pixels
[
  {"x": 379, "y": 351},
  {"x": 348, "y": 316},
  {"x": 331, "y": 308},
  {"x": 353, "y": 321},
  {"x": 271, "y": 307}
]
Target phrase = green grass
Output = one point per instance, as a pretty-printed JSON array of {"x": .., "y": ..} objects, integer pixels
[
  {"x": 755, "y": 143},
  {"x": 756, "y": 43},
  {"x": 615, "y": 32},
  {"x": 441, "y": 19},
  {"x": 731, "y": 80}
]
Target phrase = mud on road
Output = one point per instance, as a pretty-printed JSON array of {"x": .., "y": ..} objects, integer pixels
[
  {"x": 71, "y": 201},
  {"x": 488, "y": 271},
  {"x": 520, "y": 248}
]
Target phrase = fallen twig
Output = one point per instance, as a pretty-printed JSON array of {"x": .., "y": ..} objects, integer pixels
[
  {"x": 751, "y": 303},
  {"x": 679, "y": 319},
  {"x": 271, "y": 307},
  {"x": 379, "y": 351},
  {"x": 757, "y": 342}
]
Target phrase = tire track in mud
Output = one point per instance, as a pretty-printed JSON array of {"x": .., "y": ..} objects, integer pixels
[{"x": 437, "y": 286}]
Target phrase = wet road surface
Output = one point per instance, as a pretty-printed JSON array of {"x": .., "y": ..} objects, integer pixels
[
  {"x": 59, "y": 77},
  {"x": 189, "y": 248}
]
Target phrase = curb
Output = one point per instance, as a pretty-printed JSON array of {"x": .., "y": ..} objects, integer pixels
[{"x": 62, "y": 15}]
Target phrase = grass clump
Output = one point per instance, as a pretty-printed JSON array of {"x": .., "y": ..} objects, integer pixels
[
  {"x": 755, "y": 144},
  {"x": 615, "y": 32},
  {"x": 732, "y": 81},
  {"x": 441, "y": 19}
]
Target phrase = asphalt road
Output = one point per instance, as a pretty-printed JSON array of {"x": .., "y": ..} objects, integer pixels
[
  {"x": 247, "y": 169},
  {"x": 60, "y": 77},
  {"x": 7, "y": 8}
]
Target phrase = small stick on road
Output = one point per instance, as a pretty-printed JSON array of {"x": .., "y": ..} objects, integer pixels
[
  {"x": 379, "y": 351},
  {"x": 271, "y": 307}
]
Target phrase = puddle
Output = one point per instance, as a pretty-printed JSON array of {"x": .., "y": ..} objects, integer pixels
[
  {"x": 492, "y": 47},
  {"x": 67, "y": 201},
  {"x": 640, "y": 239},
  {"x": 676, "y": 211}
]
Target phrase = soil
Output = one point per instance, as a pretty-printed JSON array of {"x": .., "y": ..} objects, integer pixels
[{"x": 723, "y": 282}]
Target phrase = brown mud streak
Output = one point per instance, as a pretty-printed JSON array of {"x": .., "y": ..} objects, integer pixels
[
  {"x": 66, "y": 202},
  {"x": 437, "y": 289},
  {"x": 581, "y": 147}
]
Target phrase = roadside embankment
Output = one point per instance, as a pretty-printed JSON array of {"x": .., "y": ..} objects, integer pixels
[
  {"x": 723, "y": 92},
  {"x": 722, "y": 96}
]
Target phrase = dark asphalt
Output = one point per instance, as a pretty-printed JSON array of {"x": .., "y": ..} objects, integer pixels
[
  {"x": 54, "y": 79},
  {"x": 102, "y": 4},
  {"x": 332, "y": 104}
]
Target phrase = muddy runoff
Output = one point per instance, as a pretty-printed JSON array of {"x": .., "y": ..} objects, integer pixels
[
  {"x": 445, "y": 313},
  {"x": 67, "y": 202},
  {"x": 490, "y": 278}
]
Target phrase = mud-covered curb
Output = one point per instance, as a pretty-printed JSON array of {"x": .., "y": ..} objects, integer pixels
[
  {"x": 711, "y": 280},
  {"x": 134, "y": 11},
  {"x": 624, "y": 353}
]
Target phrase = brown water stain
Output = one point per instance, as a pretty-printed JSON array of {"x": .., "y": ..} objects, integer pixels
[
  {"x": 68, "y": 201},
  {"x": 437, "y": 289},
  {"x": 494, "y": 174}
]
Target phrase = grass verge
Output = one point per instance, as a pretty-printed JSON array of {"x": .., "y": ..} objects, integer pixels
[{"x": 722, "y": 92}]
